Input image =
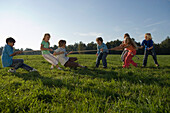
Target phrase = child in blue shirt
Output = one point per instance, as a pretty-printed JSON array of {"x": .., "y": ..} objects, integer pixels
[
  {"x": 149, "y": 49},
  {"x": 102, "y": 52},
  {"x": 7, "y": 57}
]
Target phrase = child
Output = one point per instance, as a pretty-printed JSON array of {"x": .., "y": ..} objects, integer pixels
[
  {"x": 125, "y": 51},
  {"x": 102, "y": 52},
  {"x": 62, "y": 56},
  {"x": 7, "y": 57},
  {"x": 130, "y": 45},
  {"x": 45, "y": 49},
  {"x": 149, "y": 48}
]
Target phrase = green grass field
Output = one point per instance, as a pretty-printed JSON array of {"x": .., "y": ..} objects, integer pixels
[{"x": 87, "y": 90}]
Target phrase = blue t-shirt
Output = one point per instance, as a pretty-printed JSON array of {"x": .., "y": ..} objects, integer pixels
[
  {"x": 104, "y": 47},
  {"x": 6, "y": 58},
  {"x": 147, "y": 43}
]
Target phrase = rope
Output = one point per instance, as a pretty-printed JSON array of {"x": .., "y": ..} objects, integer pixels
[{"x": 80, "y": 52}]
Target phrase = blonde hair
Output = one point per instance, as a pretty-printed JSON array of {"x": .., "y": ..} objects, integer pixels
[
  {"x": 129, "y": 41},
  {"x": 148, "y": 36}
]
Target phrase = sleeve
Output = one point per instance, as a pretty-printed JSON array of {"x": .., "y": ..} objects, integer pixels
[
  {"x": 98, "y": 49},
  {"x": 143, "y": 43},
  {"x": 105, "y": 47},
  {"x": 9, "y": 50},
  {"x": 42, "y": 42},
  {"x": 57, "y": 50},
  {"x": 151, "y": 43}
]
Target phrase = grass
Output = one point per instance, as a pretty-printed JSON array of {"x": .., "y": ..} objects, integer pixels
[{"x": 87, "y": 90}]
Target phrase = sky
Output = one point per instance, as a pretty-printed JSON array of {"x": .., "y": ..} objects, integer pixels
[{"x": 82, "y": 20}]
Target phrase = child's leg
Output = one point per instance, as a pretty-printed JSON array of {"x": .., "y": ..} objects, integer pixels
[
  {"x": 154, "y": 56},
  {"x": 131, "y": 61},
  {"x": 104, "y": 61},
  {"x": 98, "y": 59},
  {"x": 26, "y": 67},
  {"x": 127, "y": 60},
  {"x": 72, "y": 64},
  {"x": 125, "y": 55},
  {"x": 145, "y": 57},
  {"x": 72, "y": 59},
  {"x": 51, "y": 59},
  {"x": 17, "y": 63}
]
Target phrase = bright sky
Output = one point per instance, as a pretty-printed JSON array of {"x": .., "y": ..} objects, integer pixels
[{"x": 82, "y": 20}]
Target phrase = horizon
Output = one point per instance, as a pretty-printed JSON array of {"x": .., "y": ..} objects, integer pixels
[{"x": 79, "y": 20}]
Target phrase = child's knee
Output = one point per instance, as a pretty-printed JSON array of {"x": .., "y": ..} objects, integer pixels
[{"x": 21, "y": 61}]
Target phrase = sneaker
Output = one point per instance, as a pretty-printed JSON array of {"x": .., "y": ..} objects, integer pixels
[
  {"x": 104, "y": 67},
  {"x": 84, "y": 67},
  {"x": 52, "y": 67},
  {"x": 59, "y": 68},
  {"x": 33, "y": 70},
  {"x": 12, "y": 70},
  {"x": 143, "y": 66},
  {"x": 157, "y": 65}
]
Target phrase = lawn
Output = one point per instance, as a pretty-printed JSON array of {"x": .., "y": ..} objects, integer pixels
[{"x": 87, "y": 90}]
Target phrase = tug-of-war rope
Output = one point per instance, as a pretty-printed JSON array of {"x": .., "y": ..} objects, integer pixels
[{"x": 83, "y": 51}]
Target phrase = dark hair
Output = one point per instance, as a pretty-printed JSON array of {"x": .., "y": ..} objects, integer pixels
[
  {"x": 126, "y": 35},
  {"x": 99, "y": 39},
  {"x": 47, "y": 34},
  {"x": 61, "y": 43},
  {"x": 10, "y": 39}
]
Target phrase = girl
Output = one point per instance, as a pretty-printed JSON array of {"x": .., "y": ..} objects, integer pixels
[
  {"x": 125, "y": 51},
  {"x": 130, "y": 45},
  {"x": 45, "y": 49},
  {"x": 149, "y": 49},
  {"x": 62, "y": 56}
]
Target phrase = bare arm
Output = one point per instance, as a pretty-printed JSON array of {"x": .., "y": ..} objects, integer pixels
[
  {"x": 69, "y": 53},
  {"x": 117, "y": 48},
  {"x": 42, "y": 48},
  {"x": 140, "y": 47},
  {"x": 58, "y": 53},
  {"x": 150, "y": 48},
  {"x": 16, "y": 53}
]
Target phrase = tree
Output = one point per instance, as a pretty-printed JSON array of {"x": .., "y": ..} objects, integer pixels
[{"x": 81, "y": 46}]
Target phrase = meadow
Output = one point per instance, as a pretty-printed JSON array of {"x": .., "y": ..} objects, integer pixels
[{"x": 139, "y": 90}]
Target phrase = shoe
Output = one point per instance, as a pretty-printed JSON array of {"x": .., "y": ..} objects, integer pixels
[
  {"x": 12, "y": 70},
  {"x": 33, "y": 70},
  {"x": 136, "y": 65},
  {"x": 104, "y": 67},
  {"x": 52, "y": 67},
  {"x": 59, "y": 68},
  {"x": 84, "y": 67},
  {"x": 143, "y": 66},
  {"x": 157, "y": 65}
]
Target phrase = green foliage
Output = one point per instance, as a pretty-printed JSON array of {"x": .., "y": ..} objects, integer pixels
[{"x": 87, "y": 90}]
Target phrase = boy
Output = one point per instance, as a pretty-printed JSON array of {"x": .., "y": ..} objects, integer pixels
[
  {"x": 102, "y": 52},
  {"x": 62, "y": 56},
  {"x": 7, "y": 58}
]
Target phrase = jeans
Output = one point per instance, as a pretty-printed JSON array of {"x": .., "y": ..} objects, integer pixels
[
  {"x": 147, "y": 52},
  {"x": 19, "y": 63},
  {"x": 101, "y": 56}
]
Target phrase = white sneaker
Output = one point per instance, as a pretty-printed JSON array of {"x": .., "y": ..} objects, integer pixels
[
  {"x": 33, "y": 70},
  {"x": 12, "y": 70},
  {"x": 52, "y": 67},
  {"x": 59, "y": 68}
]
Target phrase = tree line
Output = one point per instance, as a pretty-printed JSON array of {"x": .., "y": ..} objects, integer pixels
[{"x": 162, "y": 48}]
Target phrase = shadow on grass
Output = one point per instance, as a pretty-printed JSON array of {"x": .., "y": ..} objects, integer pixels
[
  {"x": 128, "y": 76},
  {"x": 35, "y": 76}
]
